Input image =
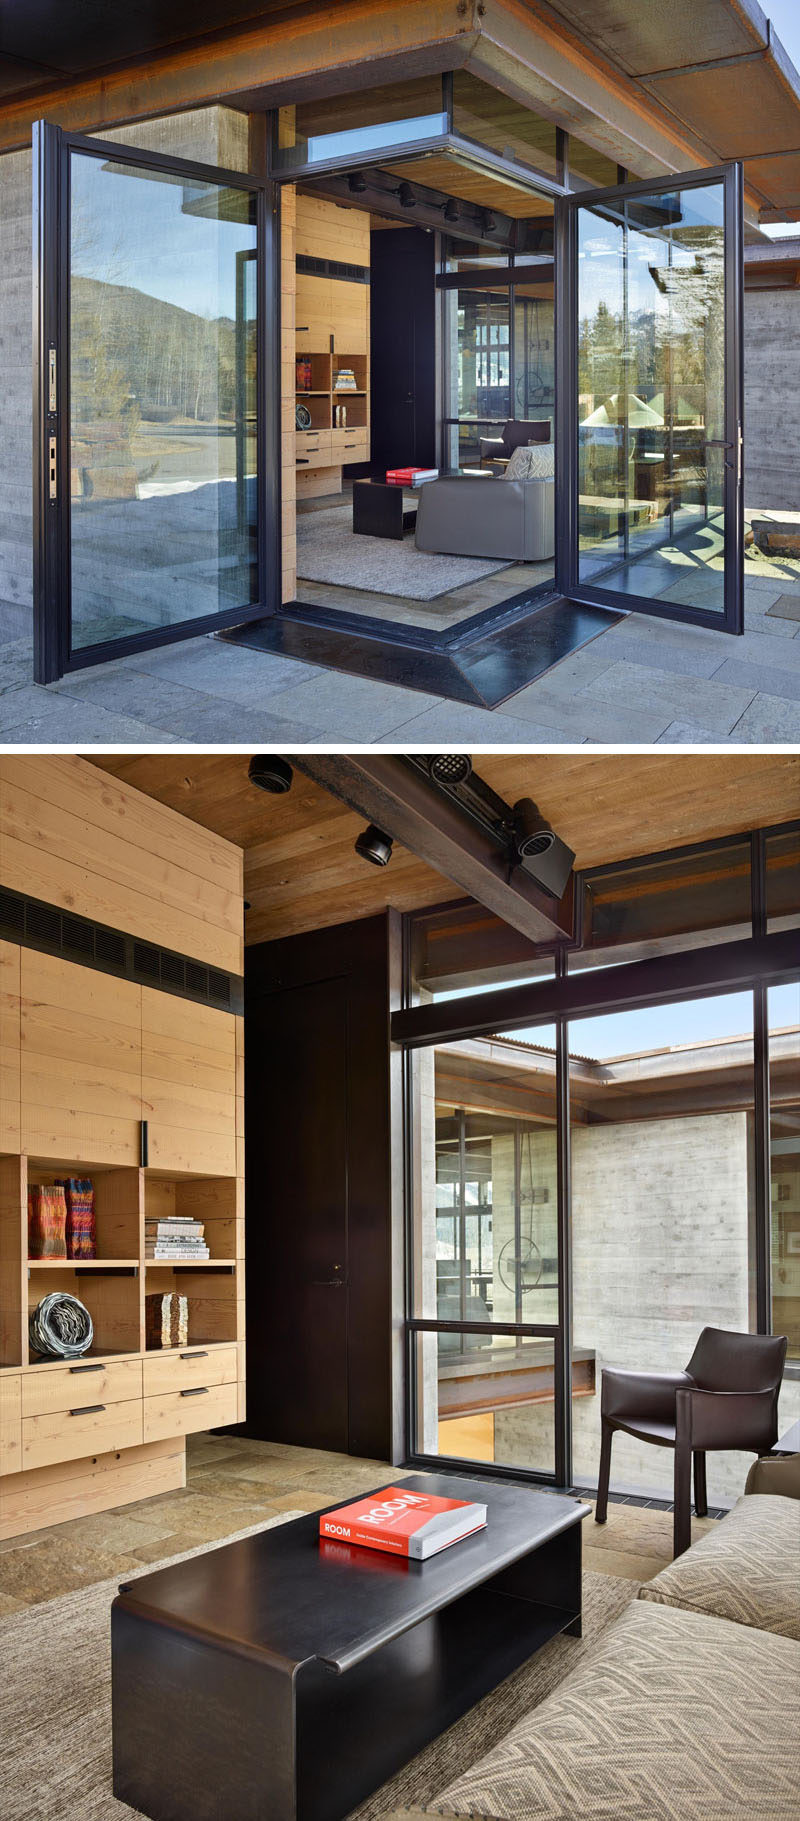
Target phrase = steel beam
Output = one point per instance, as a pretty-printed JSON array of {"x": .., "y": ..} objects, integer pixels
[{"x": 402, "y": 802}]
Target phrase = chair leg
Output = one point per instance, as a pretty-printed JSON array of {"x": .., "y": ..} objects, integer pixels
[
  {"x": 700, "y": 1494},
  {"x": 682, "y": 1511},
  {"x": 601, "y": 1502}
]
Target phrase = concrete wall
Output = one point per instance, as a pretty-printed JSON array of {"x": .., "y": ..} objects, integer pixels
[{"x": 772, "y": 400}]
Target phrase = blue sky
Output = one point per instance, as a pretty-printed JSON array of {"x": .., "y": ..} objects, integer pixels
[{"x": 658, "y": 1027}]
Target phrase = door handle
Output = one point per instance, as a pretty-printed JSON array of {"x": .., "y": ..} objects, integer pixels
[{"x": 329, "y": 1283}]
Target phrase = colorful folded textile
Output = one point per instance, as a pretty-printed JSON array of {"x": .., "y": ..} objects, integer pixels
[
  {"x": 81, "y": 1232},
  {"x": 47, "y": 1221}
]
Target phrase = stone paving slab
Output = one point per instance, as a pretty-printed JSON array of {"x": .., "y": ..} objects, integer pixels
[
  {"x": 350, "y": 707},
  {"x": 686, "y": 733},
  {"x": 716, "y": 705},
  {"x": 766, "y": 679},
  {"x": 769, "y": 721},
  {"x": 448, "y": 721},
  {"x": 787, "y": 607}
]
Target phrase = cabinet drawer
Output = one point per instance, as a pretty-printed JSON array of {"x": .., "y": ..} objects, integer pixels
[
  {"x": 64, "y": 1387},
  {"x": 194, "y": 1366},
  {"x": 181, "y": 1412},
  {"x": 350, "y": 445},
  {"x": 88, "y": 1427},
  {"x": 313, "y": 446},
  {"x": 10, "y": 1425}
]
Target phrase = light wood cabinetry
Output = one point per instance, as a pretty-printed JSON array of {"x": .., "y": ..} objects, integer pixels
[
  {"x": 332, "y": 333},
  {"x": 87, "y": 1059}
]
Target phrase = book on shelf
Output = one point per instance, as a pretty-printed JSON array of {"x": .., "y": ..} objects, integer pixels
[
  {"x": 185, "y": 1229},
  {"x": 414, "y": 1524},
  {"x": 176, "y": 1251}
]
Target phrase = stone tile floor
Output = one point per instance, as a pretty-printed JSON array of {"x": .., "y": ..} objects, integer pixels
[
  {"x": 233, "y": 1483},
  {"x": 644, "y": 681}
]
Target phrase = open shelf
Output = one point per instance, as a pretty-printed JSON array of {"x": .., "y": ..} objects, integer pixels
[
  {"x": 212, "y": 1296},
  {"x": 83, "y": 1264},
  {"x": 111, "y": 1297},
  {"x": 116, "y": 1208}
]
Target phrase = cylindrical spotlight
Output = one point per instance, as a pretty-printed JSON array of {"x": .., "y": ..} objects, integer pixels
[
  {"x": 450, "y": 767},
  {"x": 270, "y": 773},
  {"x": 373, "y": 845},
  {"x": 532, "y": 834}
]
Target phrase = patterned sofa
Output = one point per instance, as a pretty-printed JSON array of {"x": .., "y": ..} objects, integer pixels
[{"x": 686, "y": 1709}]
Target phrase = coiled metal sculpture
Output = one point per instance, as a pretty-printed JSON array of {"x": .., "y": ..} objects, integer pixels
[{"x": 60, "y": 1327}]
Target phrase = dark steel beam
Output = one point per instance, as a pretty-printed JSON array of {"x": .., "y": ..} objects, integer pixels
[
  {"x": 725, "y": 967},
  {"x": 380, "y": 195},
  {"x": 406, "y": 805}
]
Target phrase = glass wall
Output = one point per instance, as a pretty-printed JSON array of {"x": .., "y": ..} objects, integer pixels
[
  {"x": 651, "y": 396},
  {"x": 485, "y": 1248},
  {"x": 493, "y": 119},
  {"x": 500, "y": 346},
  {"x": 162, "y": 397},
  {"x": 784, "y": 1085}
]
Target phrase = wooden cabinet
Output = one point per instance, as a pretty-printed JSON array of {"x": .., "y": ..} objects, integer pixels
[
  {"x": 189, "y": 1084},
  {"x": 53, "y": 1388},
  {"x": 84, "y": 1429},
  {"x": 188, "y": 1369},
  {"x": 9, "y": 1048},
  {"x": 10, "y": 1423},
  {"x": 186, "y": 1412},
  {"x": 81, "y": 1064}
]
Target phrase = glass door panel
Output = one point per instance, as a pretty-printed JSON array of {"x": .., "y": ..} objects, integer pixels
[
  {"x": 654, "y": 399},
  {"x": 152, "y": 400}
]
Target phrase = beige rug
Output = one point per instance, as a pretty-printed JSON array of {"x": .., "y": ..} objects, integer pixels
[{"x": 55, "y": 1705}]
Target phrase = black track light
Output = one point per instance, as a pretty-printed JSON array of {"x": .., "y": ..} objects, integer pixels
[
  {"x": 373, "y": 845},
  {"x": 357, "y": 183},
  {"x": 406, "y": 197},
  {"x": 452, "y": 211},
  {"x": 270, "y": 773},
  {"x": 538, "y": 848},
  {"x": 449, "y": 767}
]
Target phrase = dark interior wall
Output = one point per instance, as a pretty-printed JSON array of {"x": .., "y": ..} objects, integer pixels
[
  {"x": 323, "y": 1190},
  {"x": 403, "y": 347}
]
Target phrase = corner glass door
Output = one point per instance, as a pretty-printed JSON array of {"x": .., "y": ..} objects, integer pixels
[
  {"x": 149, "y": 369},
  {"x": 651, "y": 484}
]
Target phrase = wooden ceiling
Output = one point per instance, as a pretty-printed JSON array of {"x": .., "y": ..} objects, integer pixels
[{"x": 301, "y": 871}]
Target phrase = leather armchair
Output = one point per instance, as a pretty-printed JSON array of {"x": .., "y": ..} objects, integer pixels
[
  {"x": 517, "y": 431},
  {"x": 727, "y": 1398}
]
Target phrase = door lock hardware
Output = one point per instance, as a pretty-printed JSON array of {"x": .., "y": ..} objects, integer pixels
[
  {"x": 52, "y": 369},
  {"x": 52, "y": 467}
]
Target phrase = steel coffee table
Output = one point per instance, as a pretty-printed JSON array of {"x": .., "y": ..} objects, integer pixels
[{"x": 283, "y": 1678}]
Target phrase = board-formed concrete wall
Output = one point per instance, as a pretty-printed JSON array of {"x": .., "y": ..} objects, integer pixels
[{"x": 772, "y": 400}]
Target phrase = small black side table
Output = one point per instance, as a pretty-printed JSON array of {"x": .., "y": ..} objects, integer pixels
[{"x": 382, "y": 510}]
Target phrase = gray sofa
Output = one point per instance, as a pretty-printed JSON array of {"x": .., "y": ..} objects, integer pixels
[
  {"x": 686, "y": 1709},
  {"x": 489, "y": 516}
]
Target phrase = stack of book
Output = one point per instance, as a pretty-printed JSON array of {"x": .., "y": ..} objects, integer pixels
[
  {"x": 174, "y": 1239},
  {"x": 410, "y": 477}
]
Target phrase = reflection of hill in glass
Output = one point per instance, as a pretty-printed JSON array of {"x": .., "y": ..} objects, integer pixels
[{"x": 138, "y": 357}]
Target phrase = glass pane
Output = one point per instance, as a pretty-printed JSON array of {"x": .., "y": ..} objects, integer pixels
[
  {"x": 483, "y": 113},
  {"x": 651, "y": 393},
  {"x": 783, "y": 879},
  {"x": 660, "y": 904},
  {"x": 486, "y": 1219},
  {"x": 163, "y": 399},
  {"x": 662, "y": 1172},
  {"x": 397, "y": 113},
  {"x": 784, "y": 1087},
  {"x": 534, "y": 347},
  {"x": 591, "y": 168},
  {"x": 486, "y": 1398},
  {"x": 484, "y": 389},
  {"x": 466, "y": 948}
]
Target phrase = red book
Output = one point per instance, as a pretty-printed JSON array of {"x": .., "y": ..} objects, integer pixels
[
  {"x": 399, "y": 477},
  {"x": 415, "y": 1524}
]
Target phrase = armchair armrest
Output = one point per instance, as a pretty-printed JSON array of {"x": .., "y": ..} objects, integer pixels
[
  {"x": 726, "y": 1419},
  {"x": 642, "y": 1394},
  {"x": 490, "y": 445}
]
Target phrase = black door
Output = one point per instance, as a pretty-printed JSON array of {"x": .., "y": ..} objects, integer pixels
[
  {"x": 403, "y": 348},
  {"x": 297, "y": 1288},
  {"x": 155, "y": 356},
  {"x": 650, "y": 503}
]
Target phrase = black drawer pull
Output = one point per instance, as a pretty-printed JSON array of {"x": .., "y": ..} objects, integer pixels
[
  {"x": 97, "y": 1367},
  {"x": 87, "y": 1409},
  {"x": 200, "y": 1355},
  {"x": 195, "y": 1391}
]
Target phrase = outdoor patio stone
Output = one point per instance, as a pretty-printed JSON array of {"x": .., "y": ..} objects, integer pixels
[
  {"x": 449, "y": 721},
  {"x": 685, "y": 733},
  {"x": 587, "y": 720},
  {"x": 769, "y": 721},
  {"x": 340, "y": 707},
  {"x": 685, "y": 660},
  {"x": 786, "y": 607},
  {"x": 717, "y": 705},
  {"x": 32, "y": 717},
  {"x": 771, "y": 679}
]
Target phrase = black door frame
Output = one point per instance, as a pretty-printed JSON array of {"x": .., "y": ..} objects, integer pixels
[
  {"x": 52, "y": 150},
  {"x": 566, "y": 337}
]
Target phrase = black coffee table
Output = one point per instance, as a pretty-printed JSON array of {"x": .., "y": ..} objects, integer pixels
[
  {"x": 282, "y": 1678},
  {"x": 382, "y": 509}
]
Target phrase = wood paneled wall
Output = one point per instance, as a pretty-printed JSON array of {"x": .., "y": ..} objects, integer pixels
[{"x": 74, "y": 837}]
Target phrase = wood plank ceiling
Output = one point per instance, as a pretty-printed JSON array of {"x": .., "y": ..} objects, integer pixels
[{"x": 301, "y": 871}]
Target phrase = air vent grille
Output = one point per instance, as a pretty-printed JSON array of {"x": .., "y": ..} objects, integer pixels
[
  {"x": 332, "y": 268},
  {"x": 43, "y": 926}
]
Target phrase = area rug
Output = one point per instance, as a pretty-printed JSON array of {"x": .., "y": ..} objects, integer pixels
[
  {"x": 329, "y": 550},
  {"x": 55, "y": 1756}
]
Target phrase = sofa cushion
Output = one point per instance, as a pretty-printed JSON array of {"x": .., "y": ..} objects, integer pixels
[
  {"x": 780, "y": 1475},
  {"x": 747, "y": 1568},
  {"x": 536, "y": 463},
  {"x": 670, "y": 1717}
]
